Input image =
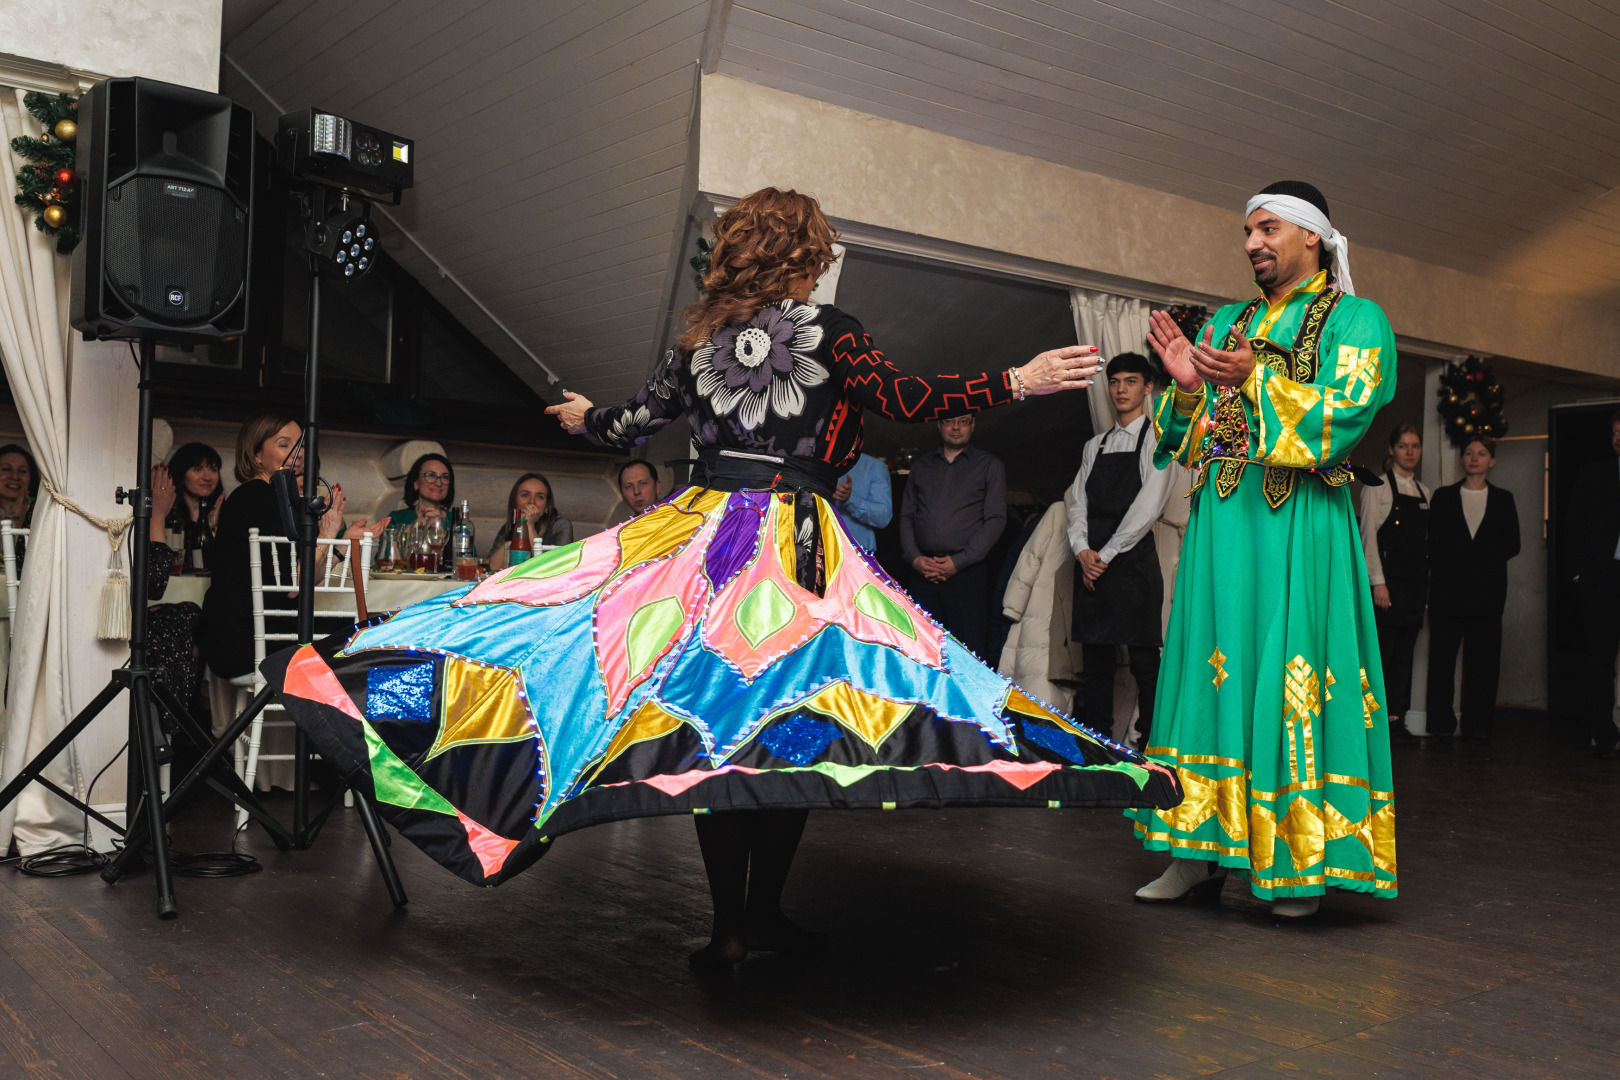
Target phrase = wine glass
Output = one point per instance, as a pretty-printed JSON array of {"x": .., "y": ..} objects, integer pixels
[{"x": 435, "y": 534}]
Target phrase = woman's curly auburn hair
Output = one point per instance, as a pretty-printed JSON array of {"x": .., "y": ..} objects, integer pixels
[{"x": 760, "y": 246}]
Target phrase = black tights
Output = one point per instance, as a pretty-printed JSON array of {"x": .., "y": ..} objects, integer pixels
[{"x": 747, "y": 855}]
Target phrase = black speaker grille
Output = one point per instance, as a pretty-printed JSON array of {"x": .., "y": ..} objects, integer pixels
[{"x": 175, "y": 249}]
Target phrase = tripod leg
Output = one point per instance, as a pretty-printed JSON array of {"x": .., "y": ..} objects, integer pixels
[
  {"x": 134, "y": 842},
  {"x": 379, "y": 848},
  {"x": 223, "y": 779},
  {"x": 145, "y": 727},
  {"x": 31, "y": 771},
  {"x": 301, "y": 788}
]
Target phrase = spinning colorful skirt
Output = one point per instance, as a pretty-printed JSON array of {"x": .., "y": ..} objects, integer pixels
[{"x": 673, "y": 665}]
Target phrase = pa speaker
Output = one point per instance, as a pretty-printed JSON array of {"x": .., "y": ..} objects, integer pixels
[{"x": 168, "y": 211}]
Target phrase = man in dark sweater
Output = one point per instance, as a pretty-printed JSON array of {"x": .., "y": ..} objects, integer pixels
[{"x": 952, "y": 513}]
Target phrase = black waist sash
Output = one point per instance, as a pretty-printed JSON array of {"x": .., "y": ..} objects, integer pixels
[{"x": 736, "y": 470}]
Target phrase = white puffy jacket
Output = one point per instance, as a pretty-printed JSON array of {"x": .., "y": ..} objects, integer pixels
[{"x": 1039, "y": 600}]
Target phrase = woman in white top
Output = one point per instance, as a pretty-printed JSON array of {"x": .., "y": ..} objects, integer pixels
[{"x": 1395, "y": 537}]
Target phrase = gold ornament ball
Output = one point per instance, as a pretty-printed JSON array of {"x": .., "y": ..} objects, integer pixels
[
  {"x": 55, "y": 216},
  {"x": 66, "y": 130}
]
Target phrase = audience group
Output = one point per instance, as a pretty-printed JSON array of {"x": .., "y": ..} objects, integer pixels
[
  {"x": 1080, "y": 588},
  {"x": 1061, "y": 596}
]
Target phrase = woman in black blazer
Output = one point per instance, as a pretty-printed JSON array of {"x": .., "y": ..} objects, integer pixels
[{"x": 1473, "y": 532}]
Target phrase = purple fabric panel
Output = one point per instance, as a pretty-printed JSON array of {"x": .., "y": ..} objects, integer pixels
[{"x": 737, "y": 539}]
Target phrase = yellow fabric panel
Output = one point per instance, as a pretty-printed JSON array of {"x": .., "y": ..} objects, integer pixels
[
  {"x": 1290, "y": 401},
  {"x": 1197, "y": 805},
  {"x": 785, "y": 550},
  {"x": 867, "y": 715},
  {"x": 662, "y": 531},
  {"x": 1310, "y": 287},
  {"x": 1383, "y": 838},
  {"x": 832, "y": 549},
  {"x": 1262, "y": 836},
  {"x": 480, "y": 705},
  {"x": 649, "y": 721},
  {"x": 1303, "y": 831},
  {"x": 1231, "y": 798}
]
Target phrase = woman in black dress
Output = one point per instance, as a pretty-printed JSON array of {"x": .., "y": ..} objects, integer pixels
[
  {"x": 774, "y": 388},
  {"x": 262, "y": 446},
  {"x": 1473, "y": 532},
  {"x": 195, "y": 471}
]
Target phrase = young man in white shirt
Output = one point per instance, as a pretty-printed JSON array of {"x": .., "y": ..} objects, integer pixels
[{"x": 1118, "y": 588}]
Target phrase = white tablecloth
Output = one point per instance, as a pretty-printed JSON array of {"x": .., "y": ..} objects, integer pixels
[{"x": 385, "y": 592}]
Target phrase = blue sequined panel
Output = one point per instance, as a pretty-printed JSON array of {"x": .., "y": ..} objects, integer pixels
[
  {"x": 799, "y": 739},
  {"x": 1055, "y": 740},
  {"x": 402, "y": 693}
]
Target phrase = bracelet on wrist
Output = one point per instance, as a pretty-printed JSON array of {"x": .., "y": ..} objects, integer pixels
[{"x": 1023, "y": 391}]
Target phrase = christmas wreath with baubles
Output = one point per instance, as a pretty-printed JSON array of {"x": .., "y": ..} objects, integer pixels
[
  {"x": 47, "y": 184},
  {"x": 1471, "y": 402}
]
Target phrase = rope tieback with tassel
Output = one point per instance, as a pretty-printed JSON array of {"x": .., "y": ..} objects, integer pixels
[{"x": 112, "y": 616}]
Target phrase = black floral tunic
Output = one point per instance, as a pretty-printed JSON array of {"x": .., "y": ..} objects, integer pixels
[{"x": 793, "y": 380}]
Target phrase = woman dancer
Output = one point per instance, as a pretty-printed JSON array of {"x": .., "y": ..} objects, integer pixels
[{"x": 727, "y": 650}]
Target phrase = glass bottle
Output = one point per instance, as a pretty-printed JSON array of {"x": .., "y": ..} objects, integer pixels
[
  {"x": 522, "y": 544},
  {"x": 464, "y": 545}
]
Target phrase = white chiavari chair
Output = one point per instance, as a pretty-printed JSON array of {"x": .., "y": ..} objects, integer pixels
[
  {"x": 343, "y": 574},
  {"x": 8, "y": 547}
]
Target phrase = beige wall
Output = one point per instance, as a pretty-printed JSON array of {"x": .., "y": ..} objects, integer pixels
[
  {"x": 894, "y": 176},
  {"x": 173, "y": 40}
]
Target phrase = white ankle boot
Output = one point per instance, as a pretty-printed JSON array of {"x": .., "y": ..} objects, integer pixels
[
  {"x": 1200, "y": 879},
  {"x": 1295, "y": 907}
]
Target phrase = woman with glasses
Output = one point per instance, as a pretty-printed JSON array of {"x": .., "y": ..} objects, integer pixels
[{"x": 430, "y": 490}]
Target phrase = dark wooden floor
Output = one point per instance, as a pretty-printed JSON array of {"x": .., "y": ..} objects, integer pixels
[{"x": 967, "y": 943}]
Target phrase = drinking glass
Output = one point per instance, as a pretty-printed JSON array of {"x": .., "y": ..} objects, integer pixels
[
  {"x": 382, "y": 549},
  {"x": 435, "y": 534}
]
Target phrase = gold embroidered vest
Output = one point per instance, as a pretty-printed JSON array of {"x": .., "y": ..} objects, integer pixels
[{"x": 1226, "y": 446}]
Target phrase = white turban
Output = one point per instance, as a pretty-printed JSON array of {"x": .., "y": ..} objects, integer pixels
[{"x": 1311, "y": 219}]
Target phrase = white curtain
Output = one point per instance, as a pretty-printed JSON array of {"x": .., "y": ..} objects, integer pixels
[
  {"x": 1114, "y": 324},
  {"x": 34, "y": 345}
]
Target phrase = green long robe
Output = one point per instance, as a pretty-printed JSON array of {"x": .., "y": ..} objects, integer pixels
[{"x": 1271, "y": 694}]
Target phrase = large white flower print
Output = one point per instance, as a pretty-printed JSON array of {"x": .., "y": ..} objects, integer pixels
[
  {"x": 631, "y": 423},
  {"x": 762, "y": 366}
]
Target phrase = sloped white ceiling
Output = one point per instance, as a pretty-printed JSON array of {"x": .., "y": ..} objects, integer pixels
[{"x": 551, "y": 142}]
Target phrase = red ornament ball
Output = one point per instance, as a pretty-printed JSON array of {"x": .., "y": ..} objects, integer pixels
[{"x": 64, "y": 177}]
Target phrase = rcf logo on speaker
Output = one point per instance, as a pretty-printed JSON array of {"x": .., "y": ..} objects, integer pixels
[
  {"x": 177, "y": 297},
  {"x": 180, "y": 191}
]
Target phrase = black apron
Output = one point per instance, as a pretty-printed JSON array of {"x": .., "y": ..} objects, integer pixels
[
  {"x": 1403, "y": 546},
  {"x": 1125, "y": 607}
]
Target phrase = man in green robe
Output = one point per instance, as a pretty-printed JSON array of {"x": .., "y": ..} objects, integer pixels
[{"x": 1271, "y": 691}]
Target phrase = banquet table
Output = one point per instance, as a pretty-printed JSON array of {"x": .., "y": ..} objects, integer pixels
[{"x": 384, "y": 592}]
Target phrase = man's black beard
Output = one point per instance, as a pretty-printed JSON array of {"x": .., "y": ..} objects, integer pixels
[{"x": 1262, "y": 277}]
